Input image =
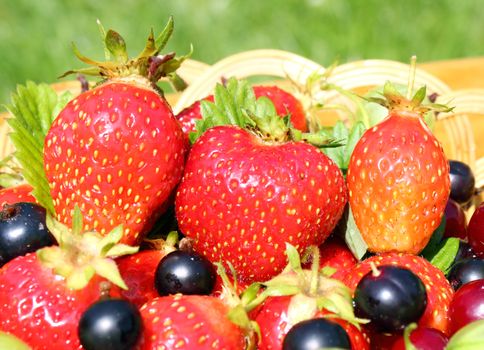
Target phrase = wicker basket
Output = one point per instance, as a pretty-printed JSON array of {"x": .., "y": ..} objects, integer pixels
[{"x": 280, "y": 67}]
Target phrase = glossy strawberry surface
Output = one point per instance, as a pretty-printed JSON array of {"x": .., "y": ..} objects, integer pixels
[
  {"x": 117, "y": 152},
  {"x": 241, "y": 199},
  {"x": 439, "y": 291},
  {"x": 138, "y": 271},
  {"x": 16, "y": 194},
  {"x": 191, "y": 322},
  {"x": 398, "y": 181},
  {"x": 37, "y": 306}
]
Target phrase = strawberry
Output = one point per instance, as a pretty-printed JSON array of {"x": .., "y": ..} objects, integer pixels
[
  {"x": 299, "y": 294},
  {"x": 244, "y": 195},
  {"x": 275, "y": 320},
  {"x": 439, "y": 291},
  {"x": 190, "y": 114},
  {"x": 192, "y": 322},
  {"x": 16, "y": 194},
  {"x": 398, "y": 178},
  {"x": 43, "y": 294},
  {"x": 138, "y": 270},
  {"x": 334, "y": 254},
  {"x": 116, "y": 150},
  {"x": 284, "y": 102}
]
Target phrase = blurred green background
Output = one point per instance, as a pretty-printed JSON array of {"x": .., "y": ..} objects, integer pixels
[{"x": 35, "y": 36}]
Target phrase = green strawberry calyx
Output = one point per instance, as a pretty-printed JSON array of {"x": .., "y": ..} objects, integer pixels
[
  {"x": 235, "y": 104},
  {"x": 311, "y": 290},
  {"x": 393, "y": 100},
  {"x": 82, "y": 255},
  {"x": 238, "y": 313},
  {"x": 149, "y": 63}
]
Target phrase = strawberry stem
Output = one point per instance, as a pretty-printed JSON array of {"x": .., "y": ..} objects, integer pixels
[{"x": 411, "y": 76}]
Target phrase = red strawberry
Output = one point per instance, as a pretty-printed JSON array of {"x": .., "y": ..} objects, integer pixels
[
  {"x": 43, "y": 294},
  {"x": 299, "y": 294},
  {"x": 16, "y": 194},
  {"x": 398, "y": 179},
  {"x": 439, "y": 291},
  {"x": 242, "y": 197},
  {"x": 284, "y": 102},
  {"x": 117, "y": 151},
  {"x": 275, "y": 320},
  {"x": 335, "y": 254},
  {"x": 192, "y": 322},
  {"x": 189, "y": 115}
]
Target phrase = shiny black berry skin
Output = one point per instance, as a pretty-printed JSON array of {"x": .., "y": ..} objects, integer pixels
[
  {"x": 466, "y": 271},
  {"x": 186, "y": 273},
  {"x": 22, "y": 230},
  {"x": 462, "y": 182},
  {"x": 110, "y": 324},
  {"x": 315, "y": 334},
  {"x": 391, "y": 298}
]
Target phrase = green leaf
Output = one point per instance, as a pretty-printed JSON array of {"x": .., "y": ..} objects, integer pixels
[
  {"x": 11, "y": 342},
  {"x": 470, "y": 337},
  {"x": 353, "y": 237},
  {"x": 357, "y": 130},
  {"x": 445, "y": 256},
  {"x": 434, "y": 243},
  {"x": 33, "y": 108}
]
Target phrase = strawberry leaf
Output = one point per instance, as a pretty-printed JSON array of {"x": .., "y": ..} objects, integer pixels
[
  {"x": 434, "y": 243},
  {"x": 445, "y": 255},
  {"x": 348, "y": 139},
  {"x": 33, "y": 108},
  {"x": 353, "y": 237}
]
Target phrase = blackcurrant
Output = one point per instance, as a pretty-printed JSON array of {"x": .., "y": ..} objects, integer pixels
[
  {"x": 315, "y": 334},
  {"x": 22, "y": 230},
  {"x": 186, "y": 273},
  {"x": 110, "y": 324},
  {"x": 465, "y": 271},
  {"x": 462, "y": 182},
  {"x": 391, "y": 297}
]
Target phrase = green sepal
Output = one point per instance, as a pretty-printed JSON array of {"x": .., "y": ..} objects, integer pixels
[
  {"x": 77, "y": 221},
  {"x": 419, "y": 96},
  {"x": 33, "y": 109},
  {"x": 470, "y": 337},
  {"x": 116, "y": 46},
  {"x": 81, "y": 255},
  {"x": 11, "y": 342}
]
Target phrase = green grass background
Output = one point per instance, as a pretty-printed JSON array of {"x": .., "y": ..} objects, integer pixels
[{"x": 35, "y": 36}]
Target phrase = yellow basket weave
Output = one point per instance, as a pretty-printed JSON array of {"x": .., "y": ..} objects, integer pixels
[{"x": 454, "y": 130}]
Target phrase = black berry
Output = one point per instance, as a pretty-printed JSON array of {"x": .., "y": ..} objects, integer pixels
[{"x": 465, "y": 271}]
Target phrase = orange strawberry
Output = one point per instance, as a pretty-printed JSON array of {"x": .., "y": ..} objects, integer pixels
[
  {"x": 117, "y": 151},
  {"x": 398, "y": 179}
]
